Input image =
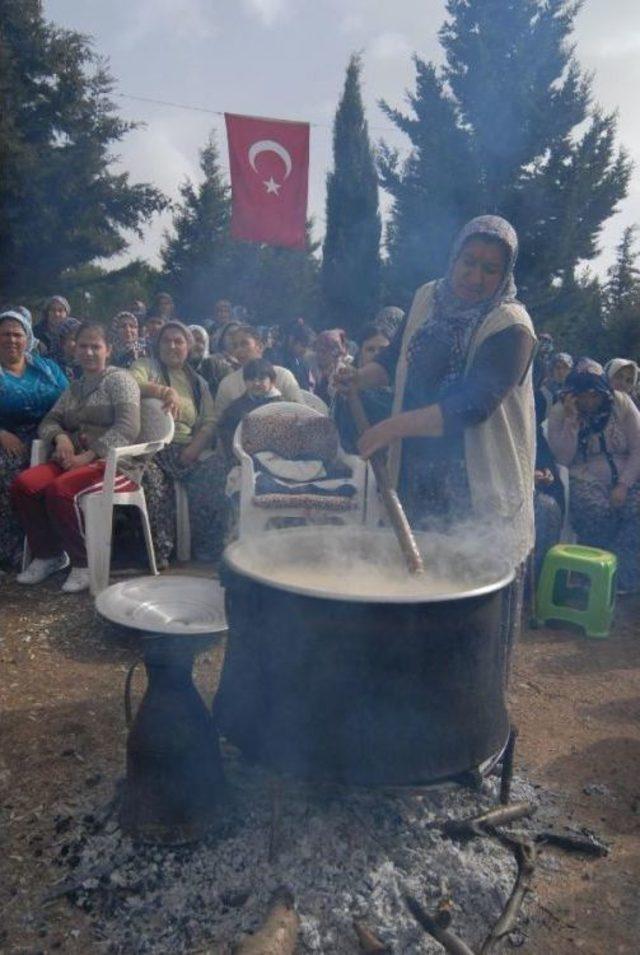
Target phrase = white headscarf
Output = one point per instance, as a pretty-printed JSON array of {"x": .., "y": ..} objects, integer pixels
[
  {"x": 205, "y": 334},
  {"x": 617, "y": 364}
]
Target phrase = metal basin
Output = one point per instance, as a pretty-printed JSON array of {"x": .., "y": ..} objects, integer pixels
[{"x": 399, "y": 684}]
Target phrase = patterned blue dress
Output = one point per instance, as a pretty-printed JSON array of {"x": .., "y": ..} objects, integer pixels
[{"x": 24, "y": 401}]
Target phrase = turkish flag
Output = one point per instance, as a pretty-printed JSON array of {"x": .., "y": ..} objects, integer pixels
[{"x": 269, "y": 161}]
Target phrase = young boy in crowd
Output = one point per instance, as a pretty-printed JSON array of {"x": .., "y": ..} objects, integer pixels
[{"x": 260, "y": 389}]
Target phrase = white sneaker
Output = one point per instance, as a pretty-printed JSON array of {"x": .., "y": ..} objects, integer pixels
[
  {"x": 42, "y": 567},
  {"x": 77, "y": 580}
]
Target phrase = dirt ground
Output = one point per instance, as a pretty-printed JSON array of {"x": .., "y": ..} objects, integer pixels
[{"x": 576, "y": 703}]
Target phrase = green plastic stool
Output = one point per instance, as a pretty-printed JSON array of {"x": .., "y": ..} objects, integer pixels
[{"x": 555, "y": 593}]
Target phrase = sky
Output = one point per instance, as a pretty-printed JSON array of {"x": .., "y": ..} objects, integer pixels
[{"x": 286, "y": 59}]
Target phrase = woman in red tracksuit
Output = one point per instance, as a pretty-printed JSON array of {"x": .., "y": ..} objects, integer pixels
[{"x": 98, "y": 412}]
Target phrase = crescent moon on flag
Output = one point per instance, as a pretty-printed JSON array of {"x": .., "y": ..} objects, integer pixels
[{"x": 270, "y": 146}]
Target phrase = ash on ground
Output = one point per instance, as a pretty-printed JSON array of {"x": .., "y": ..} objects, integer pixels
[{"x": 345, "y": 855}]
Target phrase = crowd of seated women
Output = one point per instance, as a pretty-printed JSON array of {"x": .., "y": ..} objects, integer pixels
[{"x": 78, "y": 386}]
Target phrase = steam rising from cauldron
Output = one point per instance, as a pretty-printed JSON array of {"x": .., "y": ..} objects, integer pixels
[{"x": 363, "y": 563}]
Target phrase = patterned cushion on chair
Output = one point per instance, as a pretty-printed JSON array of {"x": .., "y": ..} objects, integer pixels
[{"x": 291, "y": 436}]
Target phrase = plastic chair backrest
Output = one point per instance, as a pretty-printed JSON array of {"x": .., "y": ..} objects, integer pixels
[
  {"x": 285, "y": 408},
  {"x": 155, "y": 423},
  {"x": 313, "y": 401}
]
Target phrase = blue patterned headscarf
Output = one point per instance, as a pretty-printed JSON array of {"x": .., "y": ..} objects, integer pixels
[{"x": 454, "y": 321}]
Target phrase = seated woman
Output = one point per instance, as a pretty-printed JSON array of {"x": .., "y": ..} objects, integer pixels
[
  {"x": 127, "y": 344},
  {"x": 189, "y": 459},
  {"x": 595, "y": 432},
  {"x": 376, "y": 401},
  {"x": 331, "y": 353},
  {"x": 98, "y": 412},
  {"x": 294, "y": 352},
  {"x": 29, "y": 386},
  {"x": 222, "y": 361},
  {"x": 548, "y": 503},
  {"x": 47, "y": 332},
  {"x": 66, "y": 348},
  {"x": 200, "y": 349},
  {"x": 622, "y": 374}
]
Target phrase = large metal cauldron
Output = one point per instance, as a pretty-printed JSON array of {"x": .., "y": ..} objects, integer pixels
[{"x": 366, "y": 689}]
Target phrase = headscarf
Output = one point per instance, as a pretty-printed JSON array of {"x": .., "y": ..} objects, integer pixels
[
  {"x": 16, "y": 315},
  {"x": 124, "y": 354},
  {"x": 34, "y": 360},
  {"x": 454, "y": 321},
  {"x": 617, "y": 364},
  {"x": 70, "y": 326},
  {"x": 589, "y": 375},
  {"x": 563, "y": 358},
  {"x": 60, "y": 299},
  {"x": 335, "y": 340},
  {"x": 389, "y": 320},
  {"x": 205, "y": 334}
]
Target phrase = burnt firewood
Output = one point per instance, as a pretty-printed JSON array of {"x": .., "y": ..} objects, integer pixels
[
  {"x": 525, "y": 853},
  {"x": 369, "y": 942},
  {"x": 507, "y": 767},
  {"x": 279, "y": 933},
  {"x": 449, "y": 941},
  {"x": 480, "y": 825},
  {"x": 571, "y": 842}
]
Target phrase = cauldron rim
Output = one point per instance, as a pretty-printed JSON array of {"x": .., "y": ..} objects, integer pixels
[{"x": 235, "y": 550}]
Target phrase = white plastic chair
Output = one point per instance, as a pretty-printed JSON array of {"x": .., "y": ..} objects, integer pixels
[
  {"x": 313, "y": 401},
  {"x": 156, "y": 431},
  {"x": 254, "y": 518}
]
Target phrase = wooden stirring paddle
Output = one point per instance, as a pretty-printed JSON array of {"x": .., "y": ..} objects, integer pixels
[{"x": 393, "y": 507}]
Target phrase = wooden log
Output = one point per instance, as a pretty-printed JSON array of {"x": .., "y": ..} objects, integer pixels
[
  {"x": 481, "y": 825},
  {"x": 525, "y": 853},
  {"x": 570, "y": 842},
  {"x": 279, "y": 933},
  {"x": 449, "y": 941},
  {"x": 369, "y": 942},
  {"x": 507, "y": 767}
]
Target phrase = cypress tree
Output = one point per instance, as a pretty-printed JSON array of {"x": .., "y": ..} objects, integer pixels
[
  {"x": 61, "y": 203},
  {"x": 351, "y": 250},
  {"x": 532, "y": 150}
]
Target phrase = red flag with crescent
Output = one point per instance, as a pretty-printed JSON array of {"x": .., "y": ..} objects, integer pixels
[{"x": 269, "y": 161}]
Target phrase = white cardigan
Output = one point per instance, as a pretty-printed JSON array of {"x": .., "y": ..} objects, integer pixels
[{"x": 499, "y": 452}]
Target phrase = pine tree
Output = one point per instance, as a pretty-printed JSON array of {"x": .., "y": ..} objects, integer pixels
[
  {"x": 531, "y": 149},
  {"x": 622, "y": 299},
  {"x": 197, "y": 256},
  {"x": 202, "y": 263},
  {"x": 351, "y": 250},
  {"x": 432, "y": 197},
  {"x": 61, "y": 203}
]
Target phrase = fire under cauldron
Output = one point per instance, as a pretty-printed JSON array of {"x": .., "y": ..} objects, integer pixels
[{"x": 364, "y": 676}]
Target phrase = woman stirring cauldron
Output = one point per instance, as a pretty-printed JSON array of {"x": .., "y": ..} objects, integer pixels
[{"x": 461, "y": 435}]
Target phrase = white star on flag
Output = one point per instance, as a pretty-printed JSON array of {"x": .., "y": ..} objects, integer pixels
[{"x": 273, "y": 187}]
